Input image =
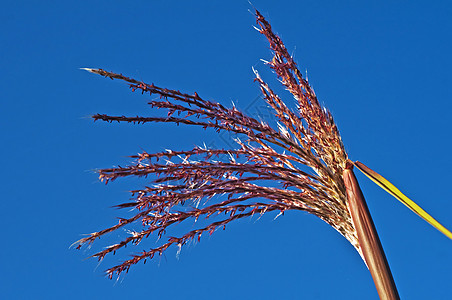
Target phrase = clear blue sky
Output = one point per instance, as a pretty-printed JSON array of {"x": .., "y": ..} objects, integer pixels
[{"x": 383, "y": 68}]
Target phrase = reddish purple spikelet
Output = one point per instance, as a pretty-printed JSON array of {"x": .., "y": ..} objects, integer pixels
[{"x": 256, "y": 177}]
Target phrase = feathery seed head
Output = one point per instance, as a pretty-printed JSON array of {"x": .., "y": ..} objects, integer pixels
[{"x": 263, "y": 174}]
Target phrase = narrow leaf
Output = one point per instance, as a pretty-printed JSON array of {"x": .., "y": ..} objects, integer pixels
[{"x": 391, "y": 189}]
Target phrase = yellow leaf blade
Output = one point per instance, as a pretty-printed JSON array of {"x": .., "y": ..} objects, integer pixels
[{"x": 391, "y": 189}]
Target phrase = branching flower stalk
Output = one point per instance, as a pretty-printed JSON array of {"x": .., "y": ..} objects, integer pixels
[{"x": 265, "y": 173}]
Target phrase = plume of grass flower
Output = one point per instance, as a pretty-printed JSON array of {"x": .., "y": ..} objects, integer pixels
[
  {"x": 266, "y": 172},
  {"x": 263, "y": 174}
]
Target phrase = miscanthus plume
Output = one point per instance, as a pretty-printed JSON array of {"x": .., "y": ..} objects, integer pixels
[{"x": 299, "y": 164}]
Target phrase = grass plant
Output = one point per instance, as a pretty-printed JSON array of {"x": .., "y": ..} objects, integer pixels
[{"x": 300, "y": 165}]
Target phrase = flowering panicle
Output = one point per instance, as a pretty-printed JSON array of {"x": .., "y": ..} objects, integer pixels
[{"x": 263, "y": 174}]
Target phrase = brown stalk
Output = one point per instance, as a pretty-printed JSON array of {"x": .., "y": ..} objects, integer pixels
[{"x": 368, "y": 239}]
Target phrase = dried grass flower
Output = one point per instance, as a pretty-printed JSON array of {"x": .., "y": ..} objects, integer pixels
[{"x": 300, "y": 165}]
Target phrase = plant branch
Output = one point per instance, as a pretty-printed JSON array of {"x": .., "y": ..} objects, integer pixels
[{"x": 369, "y": 242}]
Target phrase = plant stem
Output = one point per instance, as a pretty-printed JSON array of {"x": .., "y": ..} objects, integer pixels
[{"x": 369, "y": 242}]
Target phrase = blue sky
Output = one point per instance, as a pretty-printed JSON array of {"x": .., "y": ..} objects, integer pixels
[{"x": 381, "y": 67}]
